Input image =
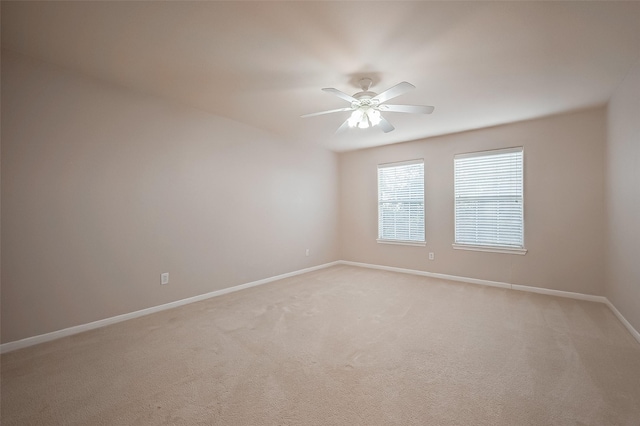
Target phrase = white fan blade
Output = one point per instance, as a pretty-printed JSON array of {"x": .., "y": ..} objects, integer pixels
[
  {"x": 326, "y": 112},
  {"x": 340, "y": 94},
  {"x": 397, "y": 90},
  {"x": 343, "y": 127},
  {"x": 385, "y": 125},
  {"x": 412, "y": 109}
]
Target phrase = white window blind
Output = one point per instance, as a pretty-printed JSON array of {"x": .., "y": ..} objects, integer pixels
[
  {"x": 401, "y": 202},
  {"x": 489, "y": 199}
]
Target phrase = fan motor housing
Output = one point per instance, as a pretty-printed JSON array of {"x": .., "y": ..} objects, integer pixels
[
  {"x": 365, "y": 99},
  {"x": 365, "y": 95}
]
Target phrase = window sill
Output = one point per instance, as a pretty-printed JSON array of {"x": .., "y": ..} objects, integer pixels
[
  {"x": 403, "y": 243},
  {"x": 491, "y": 249}
]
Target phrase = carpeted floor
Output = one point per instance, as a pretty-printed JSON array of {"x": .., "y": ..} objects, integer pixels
[{"x": 339, "y": 346}]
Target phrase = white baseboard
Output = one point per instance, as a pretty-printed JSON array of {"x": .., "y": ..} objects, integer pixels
[
  {"x": 530, "y": 289},
  {"x": 623, "y": 320},
  {"x": 427, "y": 274},
  {"x": 30, "y": 341},
  {"x": 559, "y": 293}
]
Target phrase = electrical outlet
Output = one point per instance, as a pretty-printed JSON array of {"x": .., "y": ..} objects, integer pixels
[
  {"x": 307, "y": 252},
  {"x": 164, "y": 278},
  {"x": 431, "y": 256}
]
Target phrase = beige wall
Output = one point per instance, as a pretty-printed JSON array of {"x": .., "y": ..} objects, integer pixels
[
  {"x": 103, "y": 189},
  {"x": 623, "y": 198},
  {"x": 564, "y": 204}
]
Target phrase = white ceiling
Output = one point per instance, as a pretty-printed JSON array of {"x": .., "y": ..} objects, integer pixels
[{"x": 479, "y": 63}]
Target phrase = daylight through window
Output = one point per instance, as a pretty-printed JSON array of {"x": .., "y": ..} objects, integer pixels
[
  {"x": 489, "y": 199},
  {"x": 401, "y": 202}
]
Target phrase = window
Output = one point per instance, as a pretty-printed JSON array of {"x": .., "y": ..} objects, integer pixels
[
  {"x": 489, "y": 201},
  {"x": 401, "y": 203}
]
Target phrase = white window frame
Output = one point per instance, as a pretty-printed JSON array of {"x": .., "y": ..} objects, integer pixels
[
  {"x": 494, "y": 248},
  {"x": 396, "y": 241}
]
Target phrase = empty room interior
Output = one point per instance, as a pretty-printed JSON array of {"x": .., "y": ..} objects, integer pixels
[{"x": 320, "y": 213}]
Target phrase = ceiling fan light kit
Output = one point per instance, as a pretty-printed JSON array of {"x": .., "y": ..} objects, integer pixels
[
  {"x": 366, "y": 106},
  {"x": 364, "y": 117}
]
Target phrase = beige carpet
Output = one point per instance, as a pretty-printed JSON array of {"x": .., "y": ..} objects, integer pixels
[{"x": 339, "y": 346}]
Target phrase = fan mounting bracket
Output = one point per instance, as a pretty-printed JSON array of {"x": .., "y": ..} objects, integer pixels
[{"x": 365, "y": 84}]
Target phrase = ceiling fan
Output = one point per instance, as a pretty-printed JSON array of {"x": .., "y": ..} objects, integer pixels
[{"x": 366, "y": 106}]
